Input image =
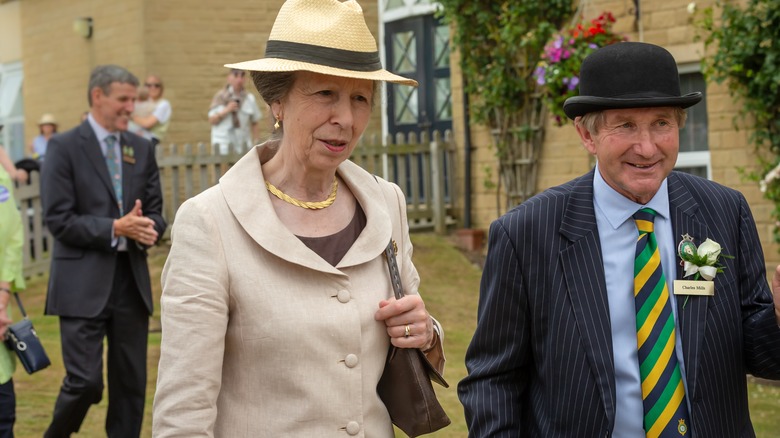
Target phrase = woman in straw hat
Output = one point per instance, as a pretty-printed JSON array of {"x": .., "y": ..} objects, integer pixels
[
  {"x": 276, "y": 309},
  {"x": 47, "y": 127}
]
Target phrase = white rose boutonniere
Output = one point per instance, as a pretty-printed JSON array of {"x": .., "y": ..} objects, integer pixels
[{"x": 702, "y": 262}]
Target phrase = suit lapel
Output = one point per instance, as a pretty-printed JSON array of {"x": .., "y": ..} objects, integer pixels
[
  {"x": 584, "y": 276},
  {"x": 691, "y": 310}
]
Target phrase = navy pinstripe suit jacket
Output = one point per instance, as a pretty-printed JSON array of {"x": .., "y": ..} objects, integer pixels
[{"x": 541, "y": 362}]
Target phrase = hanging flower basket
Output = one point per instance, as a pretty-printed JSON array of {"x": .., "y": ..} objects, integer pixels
[{"x": 558, "y": 72}]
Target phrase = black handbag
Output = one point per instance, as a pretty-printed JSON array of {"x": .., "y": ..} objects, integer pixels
[
  {"x": 21, "y": 338},
  {"x": 405, "y": 386}
]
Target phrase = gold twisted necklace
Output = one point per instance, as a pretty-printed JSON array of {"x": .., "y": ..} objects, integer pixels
[{"x": 318, "y": 205}]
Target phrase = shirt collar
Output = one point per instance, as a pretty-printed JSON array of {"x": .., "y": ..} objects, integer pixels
[
  {"x": 100, "y": 132},
  {"x": 618, "y": 209}
]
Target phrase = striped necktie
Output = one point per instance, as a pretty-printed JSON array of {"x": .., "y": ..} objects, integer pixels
[
  {"x": 114, "y": 170},
  {"x": 663, "y": 394}
]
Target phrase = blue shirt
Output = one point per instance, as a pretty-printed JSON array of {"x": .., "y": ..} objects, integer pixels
[
  {"x": 39, "y": 148},
  {"x": 618, "y": 235}
]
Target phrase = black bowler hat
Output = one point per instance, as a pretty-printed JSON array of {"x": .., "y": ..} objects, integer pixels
[{"x": 628, "y": 75}]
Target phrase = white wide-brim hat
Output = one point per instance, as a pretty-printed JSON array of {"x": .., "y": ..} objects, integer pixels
[{"x": 322, "y": 36}]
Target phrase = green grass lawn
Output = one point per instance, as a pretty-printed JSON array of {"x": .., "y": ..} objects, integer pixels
[{"x": 450, "y": 286}]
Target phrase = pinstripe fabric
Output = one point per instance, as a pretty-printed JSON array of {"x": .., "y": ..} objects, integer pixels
[
  {"x": 540, "y": 363},
  {"x": 663, "y": 394}
]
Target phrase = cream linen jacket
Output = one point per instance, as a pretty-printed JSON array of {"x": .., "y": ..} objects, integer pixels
[{"x": 260, "y": 336}]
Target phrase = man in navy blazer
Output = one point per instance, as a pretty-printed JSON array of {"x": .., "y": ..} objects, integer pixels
[
  {"x": 99, "y": 282},
  {"x": 555, "y": 350}
]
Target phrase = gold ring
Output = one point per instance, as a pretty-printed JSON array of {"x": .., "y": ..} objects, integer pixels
[{"x": 407, "y": 331}]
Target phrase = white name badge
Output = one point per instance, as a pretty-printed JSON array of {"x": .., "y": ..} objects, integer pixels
[{"x": 694, "y": 287}]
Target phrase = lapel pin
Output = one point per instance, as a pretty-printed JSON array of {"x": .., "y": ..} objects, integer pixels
[{"x": 128, "y": 154}]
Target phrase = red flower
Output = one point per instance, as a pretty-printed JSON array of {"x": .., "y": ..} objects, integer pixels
[{"x": 558, "y": 72}]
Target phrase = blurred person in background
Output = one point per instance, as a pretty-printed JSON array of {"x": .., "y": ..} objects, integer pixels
[
  {"x": 37, "y": 147},
  {"x": 158, "y": 122},
  {"x": 234, "y": 115},
  {"x": 102, "y": 203},
  {"x": 144, "y": 107}
]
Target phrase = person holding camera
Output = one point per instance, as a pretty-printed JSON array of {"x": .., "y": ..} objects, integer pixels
[{"x": 234, "y": 115}]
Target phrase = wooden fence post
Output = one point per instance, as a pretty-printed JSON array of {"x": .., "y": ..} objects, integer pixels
[{"x": 437, "y": 186}]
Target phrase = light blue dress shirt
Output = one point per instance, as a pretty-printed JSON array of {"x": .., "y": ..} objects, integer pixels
[{"x": 618, "y": 235}]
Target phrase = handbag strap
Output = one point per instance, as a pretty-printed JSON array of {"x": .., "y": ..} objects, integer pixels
[
  {"x": 21, "y": 307},
  {"x": 392, "y": 265},
  {"x": 395, "y": 275}
]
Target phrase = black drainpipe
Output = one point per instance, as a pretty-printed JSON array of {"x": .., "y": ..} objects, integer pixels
[{"x": 467, "y": 160}]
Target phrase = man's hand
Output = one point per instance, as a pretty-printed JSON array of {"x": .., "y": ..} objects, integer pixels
[
  {"x": 776, "y": 292},
  {"x": 231, "y": 107},
  {"x": 135, "y": 226}
]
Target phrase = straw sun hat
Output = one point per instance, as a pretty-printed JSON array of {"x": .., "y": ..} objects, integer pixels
[
  {"x": 47, "y": 119},
  {"x": 322, "y": 36}
]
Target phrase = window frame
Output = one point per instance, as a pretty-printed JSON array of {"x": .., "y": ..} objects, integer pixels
[
  {"x": 701, "y": 158},
  {"x": 12, "y": 135}
]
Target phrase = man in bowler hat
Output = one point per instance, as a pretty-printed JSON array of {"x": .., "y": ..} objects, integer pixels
[{"x": 585, "y": 324}]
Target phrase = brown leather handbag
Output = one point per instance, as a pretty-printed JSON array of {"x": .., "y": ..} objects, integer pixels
[{"x": 405, "y": 386}]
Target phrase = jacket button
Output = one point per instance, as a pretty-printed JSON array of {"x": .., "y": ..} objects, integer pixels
[
  {"x": 353, "y": 428},
  {"x": 351, "y": 360},
  {"x": 343, "y": 296}
]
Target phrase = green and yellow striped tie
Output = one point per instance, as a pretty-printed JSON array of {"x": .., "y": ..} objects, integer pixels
[{"x": 663, "y": 394}]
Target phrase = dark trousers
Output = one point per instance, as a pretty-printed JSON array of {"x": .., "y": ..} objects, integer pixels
[
  {"x": 7, "y": 409},
  {"x": 125, "y": 324}
]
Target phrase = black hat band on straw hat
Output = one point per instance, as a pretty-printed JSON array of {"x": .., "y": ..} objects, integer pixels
[{"x": 327, "y": 56}]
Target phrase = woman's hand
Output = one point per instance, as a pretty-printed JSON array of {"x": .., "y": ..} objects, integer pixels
[
  {"x": 5, "y": 321},
  {"x": 5, "y": 296},
  {"x": 408, "y": 323},
  {"x": 21, "y": 176}
]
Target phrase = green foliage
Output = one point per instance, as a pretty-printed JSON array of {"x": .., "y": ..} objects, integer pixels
[
  {"x": 500, "y": 44},
  {"x": 558, "y": 74},
  {"x": 746, "y": 42},
  {"x": 488, "y": 182}
]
